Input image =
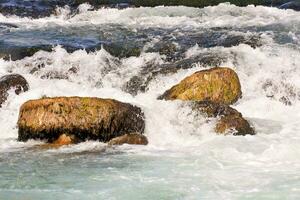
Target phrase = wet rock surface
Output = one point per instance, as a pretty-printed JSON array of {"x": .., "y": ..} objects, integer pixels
[
  {"x": 229, "y": 120},
  {"x": 19, "y": 52},
  {"x": 15, "y": 82},
  {"x": 83, "y": 118},
  {"x": 134, "y": 139}
]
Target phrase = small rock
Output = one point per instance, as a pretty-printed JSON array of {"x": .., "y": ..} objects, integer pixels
[
  {"x": 230, "y": 121},
  {"x": 12, "y": 81},
  {"x": 64, "y": 140},
  {"x": 55, "y": 75},
  {"x": 135, "y": 138}
]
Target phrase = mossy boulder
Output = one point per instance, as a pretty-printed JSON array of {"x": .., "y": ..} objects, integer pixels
[
  {"x": 219, "y": 85},
  {"x": 134, "y": 138},
  {"x": 80, "y": 118},
  {"x": 229, "y": 120},
  {"x": 12, "y": 81}
]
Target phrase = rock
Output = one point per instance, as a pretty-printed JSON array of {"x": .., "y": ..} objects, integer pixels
[
  {"x": 230, "y": 121},
  {"x": 234, "y": 124},
  {"x": 135, "y": 138},
  {"x": 55, "y": 75},
  {"x": 83, "y": 118},
  {"x": 64, "y": 140},
  {"x": 168, "y": 49},
  {"x": 12, "y": 81},
  {"x": 19, "y": 52},
  {"x": 123, "y": 50},
  {"x": 140, "y": 82},
  {"x": 219, "y": 85},
  {"x": 223, "y": 38}
]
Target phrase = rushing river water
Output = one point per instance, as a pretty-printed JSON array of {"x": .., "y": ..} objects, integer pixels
[{"x": 134, "y": 55}]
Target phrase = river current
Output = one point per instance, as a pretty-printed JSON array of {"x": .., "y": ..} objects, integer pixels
[{"x": 114, "y": 52}]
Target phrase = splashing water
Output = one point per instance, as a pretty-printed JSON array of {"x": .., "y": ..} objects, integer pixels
[{"x": 185, "y": 159}]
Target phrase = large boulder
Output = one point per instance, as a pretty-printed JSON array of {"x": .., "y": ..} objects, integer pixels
[
  {"x": 219, "y": 85},
  {"x": 78, "y": 118},
  {"x": 229, "y": 120},
  {"x": 12, "y": 81}
]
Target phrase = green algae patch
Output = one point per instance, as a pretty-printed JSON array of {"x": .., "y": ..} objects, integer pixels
[{"x": 84, "y": 118}]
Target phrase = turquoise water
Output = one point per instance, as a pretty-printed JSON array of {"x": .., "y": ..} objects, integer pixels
[
  {"x": 185, "y": 159},
  {"x": 137, "y": 173}
]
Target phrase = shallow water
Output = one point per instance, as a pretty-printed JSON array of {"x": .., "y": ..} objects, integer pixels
[{"x": 185, "y": 159}]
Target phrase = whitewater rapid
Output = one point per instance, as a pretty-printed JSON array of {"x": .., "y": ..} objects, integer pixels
[{"x": 185, "y": 159}]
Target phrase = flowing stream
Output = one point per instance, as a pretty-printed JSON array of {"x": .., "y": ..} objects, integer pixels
[{"x": 134, "y": 55}]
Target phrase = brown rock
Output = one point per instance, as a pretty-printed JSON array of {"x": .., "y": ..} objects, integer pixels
[
  {"x": 230, "y": 121},
  {"x": 219, "y": 85},
  {"x": 64, "y": 140},
  {"x": 84, "y": 118},
  {"x": 12, "y": 81},
  {"x": 135, "y": 138}
]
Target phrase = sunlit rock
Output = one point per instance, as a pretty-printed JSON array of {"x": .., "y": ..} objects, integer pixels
[
  {"x": 83, "y": 118},
  {"x": 219, "y": 85}
]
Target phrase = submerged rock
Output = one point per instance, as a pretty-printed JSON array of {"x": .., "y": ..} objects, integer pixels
[
  {"x": 20, "y": 52},
  {"x": 12, "y": 81},
  {"x": 83, "y": 118},
  {"x": 135, "y": 138},
  {"x": 230, "y": 121},
  {"x": 55, "y": 75},
  {"x": 219, "y": 85},
  {"x": 123, "y": 51}
]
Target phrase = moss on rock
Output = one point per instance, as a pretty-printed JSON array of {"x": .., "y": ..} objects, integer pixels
[{"x": 84, "y": 118}]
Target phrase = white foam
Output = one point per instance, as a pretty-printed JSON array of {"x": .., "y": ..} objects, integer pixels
[
  {"x": 169, "y": 125},
  {"x": 221, "y": 15}
]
